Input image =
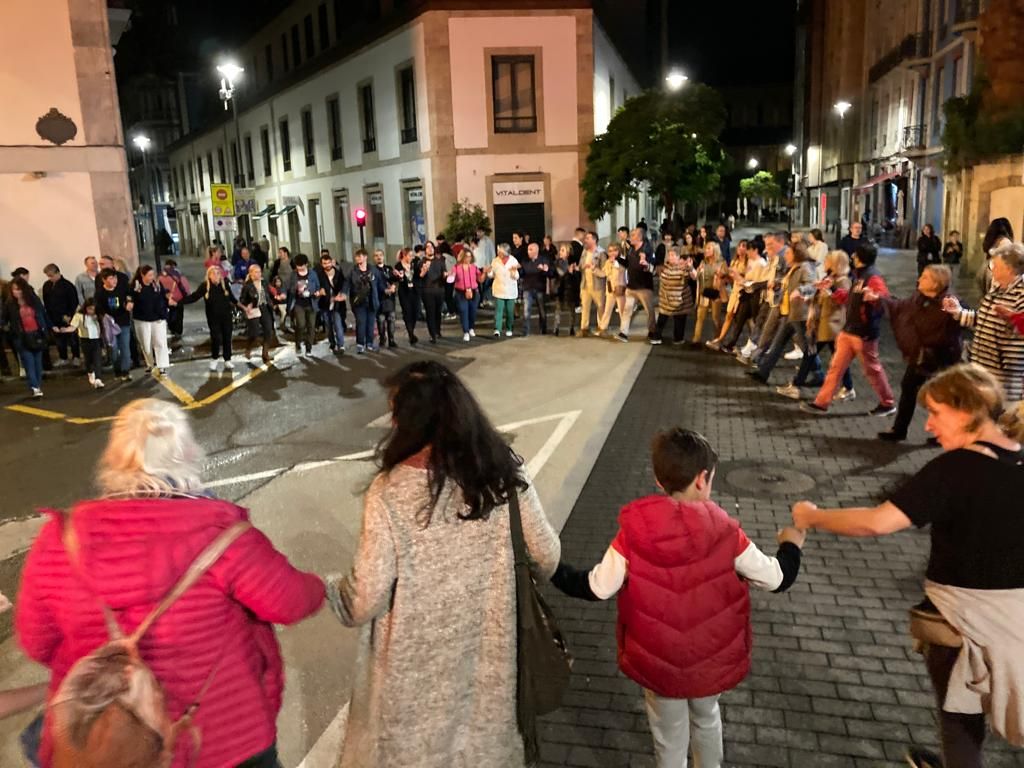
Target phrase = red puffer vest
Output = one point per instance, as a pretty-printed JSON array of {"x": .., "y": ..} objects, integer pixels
[{"x": 684, "y": 614}]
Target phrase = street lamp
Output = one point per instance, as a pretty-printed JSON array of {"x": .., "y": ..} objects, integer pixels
[
  {"x": 790, "y": 150},
  {"x": 752, "y": 163},
  {"x": 676, "y": 80},
  {"x": 841, "y": 107},
  {"x": 143, "y": 143},
  {"x": 229, "y": 73}
]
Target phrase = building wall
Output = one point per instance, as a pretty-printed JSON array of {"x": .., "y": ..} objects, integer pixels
[
  {"x": 60, "y": 203},
  {"x": 980, "y": 194}
]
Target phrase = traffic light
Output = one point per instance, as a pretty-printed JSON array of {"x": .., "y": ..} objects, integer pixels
[{"x": 361, "y": 223}]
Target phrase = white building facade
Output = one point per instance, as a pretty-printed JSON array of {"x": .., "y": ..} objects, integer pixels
[{"x": 495, "y": 107}]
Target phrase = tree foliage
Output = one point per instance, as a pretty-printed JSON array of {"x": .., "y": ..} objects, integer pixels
[
  {"x": 667, "y": 141},
  {"x": 761, "y": 186},
  {"x": 464, "y": 219},
  {"x": 971, "y": 135}
]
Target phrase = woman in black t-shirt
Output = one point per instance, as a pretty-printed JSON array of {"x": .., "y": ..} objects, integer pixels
[{"x": 970, "y": 495}]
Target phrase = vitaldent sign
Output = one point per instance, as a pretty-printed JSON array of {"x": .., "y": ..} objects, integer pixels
[{"x": 518, "y": 192}]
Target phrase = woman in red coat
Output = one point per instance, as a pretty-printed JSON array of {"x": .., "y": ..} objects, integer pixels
[{"x": 136, "y": 541}]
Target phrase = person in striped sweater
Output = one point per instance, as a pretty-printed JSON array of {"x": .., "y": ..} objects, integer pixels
[
  {"x": 674, "y": 298},
  {"x": 996, "y": 345}
]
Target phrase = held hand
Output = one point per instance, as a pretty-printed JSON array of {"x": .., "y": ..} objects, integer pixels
[
  {"x": 794, "y": 296},
  {"x": 870, "y": 295},
  {"x": 802, "y": 514},
  {"x": 792, "y": 535},
  {"x": 1003, "y": 311},
  {"x": 951, "y": 305},
  {"x": 5, "y": 604}
]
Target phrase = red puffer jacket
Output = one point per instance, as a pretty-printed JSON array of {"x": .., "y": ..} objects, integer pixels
[
  {"x": 133, "y": 551},
  {"x": 684, "y": 614}
]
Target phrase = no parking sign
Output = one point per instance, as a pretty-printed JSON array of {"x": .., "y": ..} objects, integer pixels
[{"x": 222, "y": 198}]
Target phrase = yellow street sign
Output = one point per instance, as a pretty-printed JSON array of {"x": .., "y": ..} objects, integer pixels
[{"x": 223, "y": 198}]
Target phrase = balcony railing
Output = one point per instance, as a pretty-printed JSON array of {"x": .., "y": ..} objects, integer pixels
[
  {"x": 966, "y": 14},
  {"x": 918, "y": 46},
  {"x": 915, "y": 137}
]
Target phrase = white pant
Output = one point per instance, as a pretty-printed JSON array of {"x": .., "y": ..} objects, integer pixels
[
  {"x": 611, "y": 303},
  {"x": 674, "y": 722},
  {"x": 152, "y": 338},
  {"x": 588, "y": 297}
]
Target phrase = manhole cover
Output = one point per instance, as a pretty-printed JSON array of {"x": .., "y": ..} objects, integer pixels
[{"x": 769, "y": 481}]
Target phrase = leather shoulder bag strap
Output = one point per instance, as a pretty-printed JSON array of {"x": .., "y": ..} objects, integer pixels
[{"x": 515, "y": 524}]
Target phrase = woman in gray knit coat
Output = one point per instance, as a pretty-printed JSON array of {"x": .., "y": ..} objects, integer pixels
[{"x": 435, "y": 683}]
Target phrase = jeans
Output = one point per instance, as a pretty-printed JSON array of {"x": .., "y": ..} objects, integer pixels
[
  {"x": 467, "y": 310},
  {"x": 334, "y": 322},
  {"x": 811, "y": 364},
  {"x": 432, "y": 303},
  {"x": 122, "y": 350},
  {"x": 504, "y": 314},
  {"x": 646, "y": 298},
  {"x": 221, "y": 329},
  {"x": 962, "y": 735},
  {"x": 848, "y": 347},
  {"x": 153, "y": 343},
  {"x": 789, "y": 329},
  {"x": 746, "y": 311},
  {"x": 531, "y": 298},
  {"x": 561, "y": 305},
  {"x": 767, "y": 333},
  {"x": 304, "y": 320},
  {"x": 32, "y": 362},
  {"x": 366, "y": 321},
  {"x": 679, "y": 724}
]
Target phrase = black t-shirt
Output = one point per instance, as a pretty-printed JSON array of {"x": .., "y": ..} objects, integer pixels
[{"x": 973, "y": 503}]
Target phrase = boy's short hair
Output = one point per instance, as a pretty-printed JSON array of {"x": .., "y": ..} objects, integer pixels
[
  {"x": 678, "y": 455},
  {"x": 866, "y": 253},
  {"x": 301, "y": 260},
  {"x": 107, "y": 272}
]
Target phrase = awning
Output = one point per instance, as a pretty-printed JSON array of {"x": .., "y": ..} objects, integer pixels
[
  {"x": 283, "y": 212},
  {"x": 269, "y": 209},
  {"x": 877, "y": 180}
]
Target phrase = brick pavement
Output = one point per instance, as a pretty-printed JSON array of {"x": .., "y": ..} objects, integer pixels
[{"x": 834, "y": 680}]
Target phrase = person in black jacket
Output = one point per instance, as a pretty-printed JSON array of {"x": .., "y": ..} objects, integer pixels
[
  {"x": 387, "y": 287},
  {"x": 113, "y": 298},
  {"x": 639, "y": 283},
  {"x": 332, "y": 305},
  {"x": 60, "y": 297},
  {"x": 149, "y": 314},
  {"x": 433, "y": 279},
  {"x": 220, "y": 304},
  {"x": 929, "y": 249},
  {"x": 406, "y": 272},
  {"x": 535, "y": 283}
]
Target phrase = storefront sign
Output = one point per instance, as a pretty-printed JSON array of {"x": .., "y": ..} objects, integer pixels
[
  {"x": 245, "y": 201},
  {"x": 376, "y": 198},
  {"x": 518, "y": 192},
  {"x": 416, "y": 195}
]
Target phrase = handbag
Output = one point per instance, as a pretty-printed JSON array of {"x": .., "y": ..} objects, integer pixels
[
  {"x": 33, "y": 341},
  {"x": 929, "y": 627},
  {"x": 543, "y": 663},
  {"x": 252, "y": 313}
]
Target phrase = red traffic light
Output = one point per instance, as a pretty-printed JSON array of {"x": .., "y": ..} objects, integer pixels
[{"x": 360, "y": 216}]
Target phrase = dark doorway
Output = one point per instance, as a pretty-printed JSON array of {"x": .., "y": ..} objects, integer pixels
[{"x": 527, "y": 218}]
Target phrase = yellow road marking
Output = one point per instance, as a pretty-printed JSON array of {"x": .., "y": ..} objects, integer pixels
[
  {"x": 184, "y": 397},
  {"x": 40, "y": 412},
  {"x": 241, "y": 381},
  {"x": 95, "y": 420}
]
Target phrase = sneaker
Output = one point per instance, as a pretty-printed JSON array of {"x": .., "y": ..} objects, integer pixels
[
  {"x": 882, "y": 410},
  {"x": 508, "y": 334},
  {"x": 360, "y": 349},
  {"x": 392, "y": 345},
  {"x": 472, "y": 333},
  {"x": 790, "y": 390},
  {"x": 655, "y": 341},
  {"x": 37, "y": 392},
  {"x": 215, "y": 365},
  {"x": 813, "y": 408},
  {"x": 125, "y": 377},
  {"x": 794, "y": 354},
  {"x": 845, "y": 394},
  {"x": 228, "y": 365},
  {"x": 922, "y": 758},
  {"x": 465, "y": 337},
  {"x": 714, "y": 344},
  {"x": 891, "y": 436},
  {"x": 161, "y": 371},
  {"x": 92, "y": 378},
  {"x": 579, "y": 310},
  {"x": 76, "y": 362},
  {"x": 98, "y": 384},
  {"x": 497, "y": 333},
  {"x": 622, "y": 337},
  {"x": 748, "y": 349}
]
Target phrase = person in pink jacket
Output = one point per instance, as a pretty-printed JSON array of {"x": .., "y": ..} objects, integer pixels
[{"x": 136, "y": 541}]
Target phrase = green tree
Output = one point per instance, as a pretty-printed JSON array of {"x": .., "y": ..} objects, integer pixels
[
  {"x": 761, "y": 186},
  {"x": 666, "y": 141},
  {"x": 464, "y": 219}
]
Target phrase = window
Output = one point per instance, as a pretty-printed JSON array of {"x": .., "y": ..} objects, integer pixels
[
  {"x": 515, "y": 109},
  {"x": 265, "y": 150},
  {"x": 296, "y": 52},
  {"x": 307, "y": 27},
  {"x": 369, "y": 126},
  {"x": 321, "y": 20},
  {"x": 235, "y": 169},
  {"x": 286, "y": 146},
  {"x": 191, "y": 178},
  {"x": 174, "y": 181},
  {"x": 284, "y": 50},
  {"x": 307, "y": 137},
  {"x": 339, "y": 19},
  {"x": 220, "y": 166},
  {"x": 334, "y": 127},
  {"x": 408, "y": 91},
  {"x": 250, "y": 168},
  {"x": 209, "y": 166},
  {"x": 268, "y": 57},
  {"x": 958, "y": 68},
  {"x": 611, "y": 93}
]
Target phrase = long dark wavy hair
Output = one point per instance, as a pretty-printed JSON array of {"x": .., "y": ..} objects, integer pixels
[{"x": 432, "y": 408}]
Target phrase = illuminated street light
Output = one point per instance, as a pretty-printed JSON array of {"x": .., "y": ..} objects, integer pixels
[
  {"x": 693, "y": 135},
  {"x": 230, "y": 71},
  {"x": 790, "y": 149},
  {"x": 841, "y": 107},
  {"x": 142, "y": 142},
  {"x": 676, "y": 80},
  {"x": 752, "y": 163}
]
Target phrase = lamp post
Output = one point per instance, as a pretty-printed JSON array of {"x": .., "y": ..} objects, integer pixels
[
  {"x": 752, "y": 163},
  {"x": 229, "y": 73},
  {"x": 675, "y": 80},
  {"x": 143, "y": 142},
  {"x": 790, "y": 151}
]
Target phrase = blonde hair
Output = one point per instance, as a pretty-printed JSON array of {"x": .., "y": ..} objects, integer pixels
[
  {"x": 151, "y": 452},
  {"x": 840, "y": 262},
  {"x": 209, "y": 282},
  {"x": 972, "y": 390},
  {"x": 716, "y": 250},
  {"x": 941, "y": 274}
]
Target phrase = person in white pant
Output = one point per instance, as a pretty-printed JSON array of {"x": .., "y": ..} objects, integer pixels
[
  {"x": 592, "y": 287},
  {"x": 615, "y": 294},
  {"x": 149, "y": 316}
]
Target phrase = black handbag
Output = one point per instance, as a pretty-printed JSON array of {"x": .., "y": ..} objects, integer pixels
[
  {"x": 33, "y": 341},
  {"x": 543, "y": 662},
  {"x": 711, "y": 293}
]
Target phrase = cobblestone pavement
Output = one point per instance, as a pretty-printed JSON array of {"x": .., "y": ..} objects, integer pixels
[{"x": 835, "y": 681}]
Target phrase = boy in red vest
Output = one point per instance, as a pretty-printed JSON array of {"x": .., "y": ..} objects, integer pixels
[{"x": 681, "y": 569}]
